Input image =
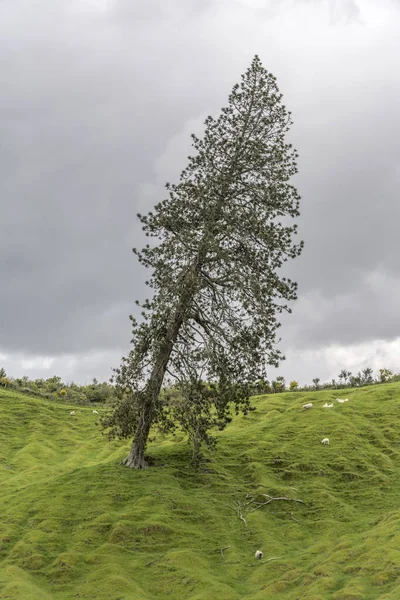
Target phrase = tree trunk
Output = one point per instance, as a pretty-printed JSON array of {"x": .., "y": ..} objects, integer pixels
[{"x": 135, "y": 458}]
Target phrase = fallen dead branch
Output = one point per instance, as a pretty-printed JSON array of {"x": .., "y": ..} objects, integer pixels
[
  {"x": 261, "y": 562},
  {"x": 151, "y": 562},
  {"x": 252, "y": 500},
  {"x": 222, "y": 551},
  {"x": 240, "y": 514},
  {"x": 294, "y": 519},
  {"x": 238, "y": 511}
]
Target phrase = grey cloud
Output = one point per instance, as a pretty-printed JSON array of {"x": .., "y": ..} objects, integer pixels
[
  {"x": 78, "y": 368},
  {"x": 149, "y": 11},
  {"x": 367, "y": 313},
  {"x": 97, "y": 104},
  {"x": 341, "y": 10}
]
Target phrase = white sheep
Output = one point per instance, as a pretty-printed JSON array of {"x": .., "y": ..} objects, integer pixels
[
  {"x": 95, "y": 412},
  {"x": 340, "y": 400},
  {"x": 326, "y": 405},
  {"x": 325, "y": 441},
  {"x": 309, "y": 405},
  {"x": 72, "y": 412},
  {"x": 259, "y": 554}
]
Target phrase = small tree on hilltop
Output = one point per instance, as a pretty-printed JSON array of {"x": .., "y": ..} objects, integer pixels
[
  {"x": 355, "y": 380},
  {"x": 282, "y": 383},
  {"x": 222, "y": 233},
  {"x": 5, "y": 381},
  {"x": 367, "y": 376},
  {"x": 316, "y": 381},
  {"x": 276, "y": 386},
  {"x": 385, "y": 375},
  {"x": 343, "y": 376},
  {"x": 262, "y": 386}
]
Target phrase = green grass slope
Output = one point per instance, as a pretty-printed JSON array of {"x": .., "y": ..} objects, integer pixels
[{"x": 76, "y": 524}]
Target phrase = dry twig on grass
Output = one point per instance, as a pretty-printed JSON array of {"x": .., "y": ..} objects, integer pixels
[
  {"x": 240, "y": 514},
  {"x": 294, "y": 519},
  {"x": 269, "y": 500},
  {"x": 222, "y": 551},
  {"x": 261, "y": 562},
  {"x": 151, "y": 562}
]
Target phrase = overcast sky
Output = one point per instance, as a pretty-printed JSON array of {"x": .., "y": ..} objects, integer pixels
[{"x": 97, "y": 102}]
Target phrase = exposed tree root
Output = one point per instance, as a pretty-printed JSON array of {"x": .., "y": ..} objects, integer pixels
[{"x": 133, "y": 461}]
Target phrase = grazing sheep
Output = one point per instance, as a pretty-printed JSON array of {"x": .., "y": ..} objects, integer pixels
[
  {"x": 326, "y": 405},
  {"x": 340, "y": 400},
  {"x": 95, "y": 412},
  {"x": 259, "y": 554},
  {"x": 72, "y": 412},
  {"x": 309, "y": 405},
  {"x": 325, "y": 441}
]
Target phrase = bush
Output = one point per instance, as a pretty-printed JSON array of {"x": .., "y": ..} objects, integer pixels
[
  {"x": 99, "y": 392},
  {"x": 385, "y": 375},
  {"x": 5, "y": 382}
]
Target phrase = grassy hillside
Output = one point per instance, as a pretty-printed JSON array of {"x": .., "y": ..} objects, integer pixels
[{"x": 76, "y": 524}]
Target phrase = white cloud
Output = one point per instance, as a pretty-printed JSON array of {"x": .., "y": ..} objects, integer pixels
[
  {"x": 300, "y": 365},
  {"x": 81, "y": 368},
  {"x": 327, "y": 362}
]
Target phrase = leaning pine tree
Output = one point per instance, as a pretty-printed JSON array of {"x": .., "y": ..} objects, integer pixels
[{"x": 222, "y": 234}]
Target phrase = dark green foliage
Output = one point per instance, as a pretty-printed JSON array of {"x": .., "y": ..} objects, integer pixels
[
  {"x": 99, "y": 392},
  {"x": 316, "y": 382},
  {"x": 344, "y": 377},
  {"x": 54, "y": 388},
  {"x": 367, "y": 378},
  {"x": 220, "y": 238},
  {"x": 282, "y": 383}
]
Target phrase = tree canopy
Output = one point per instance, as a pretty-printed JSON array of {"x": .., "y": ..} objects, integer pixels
[{"x": 219, "y": 240}]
